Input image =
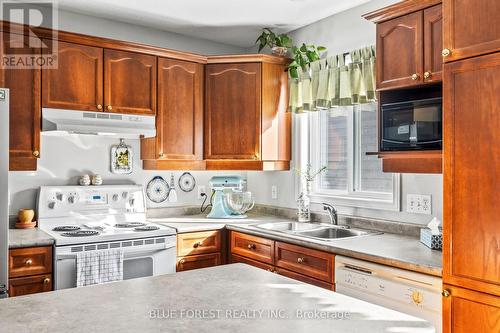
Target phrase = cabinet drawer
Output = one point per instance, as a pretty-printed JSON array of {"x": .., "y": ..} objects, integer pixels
[
  {"x": 30, "y": 285},
  {"x": 305, "y": 279},
  {"x": 252, "y": 247},
  {"x": 198, "y": 261},
  {"x": 30, "y": 261},
  {"x": 316, "y": 264},
  {"x": 198, "y": 243},
  {"x": 238, "y": 259}
]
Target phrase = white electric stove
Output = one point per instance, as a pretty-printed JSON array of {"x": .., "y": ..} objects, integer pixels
[{"x": 98, "y": 218}]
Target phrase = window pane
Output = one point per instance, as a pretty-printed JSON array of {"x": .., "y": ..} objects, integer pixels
[
  {"x": 334, "y": 148},
  {"x": 372, "y": 179}
]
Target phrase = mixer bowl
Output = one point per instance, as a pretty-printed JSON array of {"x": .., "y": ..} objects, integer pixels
[{"x": 240, "y": 202}]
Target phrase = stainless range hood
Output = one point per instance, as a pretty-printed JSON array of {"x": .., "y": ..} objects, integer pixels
[{"x": 60, "y": 121}]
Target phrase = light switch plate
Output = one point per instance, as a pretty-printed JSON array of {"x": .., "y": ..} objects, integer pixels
[
  {"x": 419, "y": 204},
  {"x": 274, "y": 192}
]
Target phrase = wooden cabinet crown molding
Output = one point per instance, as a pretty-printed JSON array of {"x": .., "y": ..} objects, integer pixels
[
  {"x": 399, "y": 9},
  {"x": 72, "y": 37},
  {"x": 246, "y": 58}
]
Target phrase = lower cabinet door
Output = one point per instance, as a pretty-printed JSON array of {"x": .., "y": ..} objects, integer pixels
[
  {"x": 304, "y": 278},
  {"x": 30, "y": 285},
  {"x": 256, "y": 248},
  {"x": 466, "y": 311},
  {"x": 198, "y": 261},
  {"x": 239, "y": 259}
]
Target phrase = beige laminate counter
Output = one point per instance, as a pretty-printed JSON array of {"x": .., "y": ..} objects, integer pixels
[{"x": 28, "y": 238}]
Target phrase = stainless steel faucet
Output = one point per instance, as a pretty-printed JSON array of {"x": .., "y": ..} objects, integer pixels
[{"x": 332, "y": 213}]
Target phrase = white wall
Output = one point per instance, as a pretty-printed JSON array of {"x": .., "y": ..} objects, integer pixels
[{"x": 341, "y": 33}]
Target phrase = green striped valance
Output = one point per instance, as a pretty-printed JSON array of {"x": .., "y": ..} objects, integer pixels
[{"x": 330, "y": 82}]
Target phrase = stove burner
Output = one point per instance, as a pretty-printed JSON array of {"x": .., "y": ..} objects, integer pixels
[
  {"x": 147, "y": 228},
  {"x": 67, "y": 228},
  {"x": 129, "y": 225},
  {"x": 80, "y": 233}
]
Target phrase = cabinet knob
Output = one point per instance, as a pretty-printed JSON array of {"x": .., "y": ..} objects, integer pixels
[
  {"x": 415, "y": 77},
  {"x": 427, "y": 75},
  {"x": 36, "y": 153},
  {"x": 182, "y": 261},
  {"x": 161, "y": 155},
  {"x": 300, "y": 260},
  {"x": 417, "y": 297},
  {"x": 270, "y": 270},
  {"x": 28, "y": 262},
  {"x": 445, "y": 52},
  {"x": 197, "y": 244},
  {"x": 46, "y": 281},
  {"x": 99, "y": 107},
  {"x": 110, "y": 108},
  {"x": 446, "y": 293},
  {"x": 251, "y": 246}
]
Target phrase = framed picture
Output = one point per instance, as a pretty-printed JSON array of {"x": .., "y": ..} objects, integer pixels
[{"x": 121, "y": 158}]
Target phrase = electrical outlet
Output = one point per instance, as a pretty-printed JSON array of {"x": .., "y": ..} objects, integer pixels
[
  {"x": 274, "y": 192},
  {"x": 419, "y": 204},
  {"x": 201, "y": 192}
]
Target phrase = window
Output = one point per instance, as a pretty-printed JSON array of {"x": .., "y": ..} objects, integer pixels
[{"x": 339, "y": 139}]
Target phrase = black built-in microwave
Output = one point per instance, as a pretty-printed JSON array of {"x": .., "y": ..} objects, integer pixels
[{"x": 412, "y": 125}]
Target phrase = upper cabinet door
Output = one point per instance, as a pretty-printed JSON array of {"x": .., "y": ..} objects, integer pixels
[
  {"x": 233, "y": 111},
  {"x": 433, "y": 44},
  {"x": 24, "y": 120},
  {"x": 399, "y": 51},
  {"x": 129, "y": 82},
  {"x": 180, "y": 110},
  {"x": 471, "y": 28},
  {"x": 76, "y": 84},
  {"x": 472, "y": 173}
]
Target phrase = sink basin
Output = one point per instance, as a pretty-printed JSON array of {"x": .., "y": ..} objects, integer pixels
[
  {"x": 334, "y": 233},
  {"x": 290, "y": 226}
]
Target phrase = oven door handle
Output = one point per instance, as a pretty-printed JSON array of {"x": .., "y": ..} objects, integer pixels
[{"x": 127, "y": 251}]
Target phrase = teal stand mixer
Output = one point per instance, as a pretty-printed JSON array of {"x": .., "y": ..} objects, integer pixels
[{"x": 228, "y": 199}]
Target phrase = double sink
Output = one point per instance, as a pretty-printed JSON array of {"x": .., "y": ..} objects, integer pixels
[{"x": 319, "y": 231}]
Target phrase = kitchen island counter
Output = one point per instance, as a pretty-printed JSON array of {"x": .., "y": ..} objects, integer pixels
[{"x": 231, "y": 298}]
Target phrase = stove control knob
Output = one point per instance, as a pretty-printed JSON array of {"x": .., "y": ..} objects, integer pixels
[
  {"x": 60, "y": 196},
  {"x": 52, "y": 205},
  {"x": 124, "y": 195},
  {"x": 115, "y": 197},
  {"x": 71, "y": 199},
  {"x": 131, "y": 202}
]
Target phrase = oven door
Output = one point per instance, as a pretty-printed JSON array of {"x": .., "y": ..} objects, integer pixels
[{"x": 137, "y": 262}]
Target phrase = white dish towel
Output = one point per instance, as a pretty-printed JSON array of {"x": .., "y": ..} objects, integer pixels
[{"x": 96, "y": 267}]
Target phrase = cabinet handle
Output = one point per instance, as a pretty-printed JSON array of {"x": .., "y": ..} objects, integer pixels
[
  {"x": 415, "y": 77},
  {"x": 300, "y": 260},
  {"x": 110, "y": 108},
  {"x": 161, "y": 155},
  {"x": 197, "y": 244},
  {"x": 445, "y": 52},
  {"x": 446, "y": 293},
  {"x": 28, "y": 262},
  {"x": 251, "y": 246},
  {"x": 270, "y": 270},
  {"x": 417, "y": 297},
  {"x": 99, "y": 107},
  {"x": 46, "y": 281},
  {"x": 36, "y": 153},
  {"x": 427, "y": 75}
]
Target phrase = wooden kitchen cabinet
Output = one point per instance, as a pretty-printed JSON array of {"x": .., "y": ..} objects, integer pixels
[
  {"x": 253, "y": 247},
  {"x": 247, "y": 126},
  {"x": 30, "y": 285},
  {"x": 24, "y": 108},
  {"x": 30, "y": 270},
  {"x": 77, "y": 83},
  {"x": 198, "y": 261},
  {"x": 179, "y": 131},
  {"x": 471, "y": 174},
  {"x": 198, "y": 242},
  {"x": 305, "y": 278},
  {"x": 129, "y": 82},
  {"x": 466, "y": 311},
  {"x": 244, "y": 260},
  {"x": 409, "y": 44},
  {"x": 471, "y": 28}
]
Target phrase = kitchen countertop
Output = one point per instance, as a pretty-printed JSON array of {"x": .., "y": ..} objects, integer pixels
[
  {"x": 388, "y": 249},
  {"x": 28, "y": 238},
  {"x": 236, "y": 298}
]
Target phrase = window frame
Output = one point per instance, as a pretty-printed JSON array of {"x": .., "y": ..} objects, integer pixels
[{"x": 351, "y": 198}]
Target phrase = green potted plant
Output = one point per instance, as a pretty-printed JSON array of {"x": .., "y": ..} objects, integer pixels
[
  {"x": 303, "y": 56},
  {"x": 279, "y": 44}
]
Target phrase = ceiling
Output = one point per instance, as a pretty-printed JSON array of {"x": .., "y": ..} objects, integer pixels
[{"x": 234, "y": 22}]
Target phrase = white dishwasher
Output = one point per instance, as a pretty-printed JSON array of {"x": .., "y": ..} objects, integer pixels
[{"x": 413, "y": 293}]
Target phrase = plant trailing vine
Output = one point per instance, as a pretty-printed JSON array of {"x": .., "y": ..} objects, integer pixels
[{"x": 302, "y": 56}]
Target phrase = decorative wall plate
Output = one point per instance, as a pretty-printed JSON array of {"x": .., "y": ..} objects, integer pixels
[
  {"x": 121, "y": 158},
  {"x": 157, "y": 189},
  {"x": 187, "y": 182}
]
